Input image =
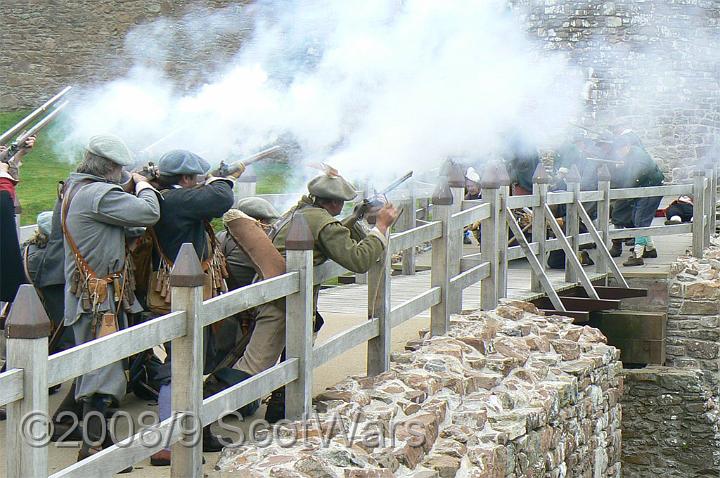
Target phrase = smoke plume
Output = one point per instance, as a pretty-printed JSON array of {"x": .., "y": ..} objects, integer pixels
[{"x": 374, "y": 88}]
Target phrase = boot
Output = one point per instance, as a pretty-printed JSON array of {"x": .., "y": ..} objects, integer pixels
[
  {"x": 96, "y": 427},
  {"x": 616, "y": 249},
  {"x": 649, "y": 253},
  {"x": 66, "y": 426},
  {"x": 275, "y": 410},
  {"x": 585, "y": 259},
  {"x": 634, "y": 261},
  {"x": 227, "y": 377},
  {"x": 211, "y": 442}
]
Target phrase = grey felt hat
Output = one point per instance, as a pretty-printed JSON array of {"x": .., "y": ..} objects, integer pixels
[
  {"x": 257, "y": 208},
  {"x": 44, "y": 222},
  {"x": 180, "y": 161},
  {"x": 110, "y": 147},
  {"x": 331, "y": 187}
]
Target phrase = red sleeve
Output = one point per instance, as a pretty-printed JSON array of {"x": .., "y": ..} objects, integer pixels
[{"x": 8, "y": 185}]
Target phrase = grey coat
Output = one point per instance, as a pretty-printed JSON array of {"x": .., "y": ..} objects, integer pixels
[{"x": 96, "y": 220}]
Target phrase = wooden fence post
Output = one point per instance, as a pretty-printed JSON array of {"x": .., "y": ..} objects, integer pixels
[
  {"x": 713, "y": 192},
  {"x": 698, "y": 226},
  {"x": 442, "y": 200},
  {"x": 364, "y": 192},
  {"x": 299, "y": 318},
  {"x": 502, "y": 226},
  {"x": 456, "y": 181},
  {"x": 572, "y": 223},
  {"x": 541, "y": 183},
  {"x": 709, "y": 203},
  {"x": 246, "y": 184},
  {"x": 409, "y": 222},
  {"x": 27, "y": 330},
  {"x": 379, "y": 348},
  {"x": 603, "y": 216},
  {"x": 489, "y": 234},
  {"x": 186, "y": 280}
]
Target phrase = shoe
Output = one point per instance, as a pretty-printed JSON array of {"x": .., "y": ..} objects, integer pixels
[
  {"x": 650, "y": 254},
  {"x": 211, "y": 442},
  {"x": 616, "y": 249},
  {"x": 66, "y": 431},
  {"x": 634, "y": 261},
  {"x": 671, "y": 222},
  {"x": 585, "y": 259},
  {"x": 95, "y": 427},
  {"x": 163, "y": 458},
  {"x": 275, "y": 410}
]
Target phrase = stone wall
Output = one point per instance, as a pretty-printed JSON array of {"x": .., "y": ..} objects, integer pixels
[
  {"x": 671, "y": 424},
  {"x": 508, "y": 393},
  {"x": 651, "y": 66},
  {"x": 52, "y": 44},
  {"x": 693, "y": 327}
]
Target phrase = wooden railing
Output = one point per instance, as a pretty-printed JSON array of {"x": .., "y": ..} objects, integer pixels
[{"x": 30, "y": 371}]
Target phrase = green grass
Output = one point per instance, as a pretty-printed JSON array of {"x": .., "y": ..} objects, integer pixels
[{"x": 41, "y": 172}]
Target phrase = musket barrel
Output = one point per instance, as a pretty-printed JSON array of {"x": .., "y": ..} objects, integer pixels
[
  {"x": 260, "y": 155},
  {"x": 25, "y": 121}
]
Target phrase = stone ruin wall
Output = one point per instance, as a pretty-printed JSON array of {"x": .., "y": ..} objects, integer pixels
[
  {"x": 508, "y": 393},
  {"x": 619, "y": 43},
  {"x": 671, "y": 418}
]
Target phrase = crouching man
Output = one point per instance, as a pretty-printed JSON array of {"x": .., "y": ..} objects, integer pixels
[{"x": 343, "y": 242}]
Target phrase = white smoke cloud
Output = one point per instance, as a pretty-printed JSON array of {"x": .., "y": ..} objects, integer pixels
[{"x": 373, "y": 87}]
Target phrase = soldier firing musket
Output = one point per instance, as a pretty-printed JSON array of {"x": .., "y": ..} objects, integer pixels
[
  {"x": 376, "y": 200},
  {"x": 227, "y": 169}
]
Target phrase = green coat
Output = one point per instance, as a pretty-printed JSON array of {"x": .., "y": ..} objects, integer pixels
[{"x": 348, "y": 246}]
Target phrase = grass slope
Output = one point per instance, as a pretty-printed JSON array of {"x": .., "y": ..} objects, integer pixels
[{"x": 41, "y": 172}]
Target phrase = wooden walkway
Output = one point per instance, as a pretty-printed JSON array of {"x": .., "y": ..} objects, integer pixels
[{"x": 352, "y": 299}]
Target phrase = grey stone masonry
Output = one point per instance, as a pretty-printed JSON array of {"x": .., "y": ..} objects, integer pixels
[
  {"x": 670, "y": 424},
  {"x": 507, "y": 394},
  {"x": 693, "y": 327}
]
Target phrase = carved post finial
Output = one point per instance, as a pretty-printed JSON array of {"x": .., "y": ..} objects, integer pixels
[
  {"x": 299, "y": 237},
  {"x": 187, "y": 271},
  {"x": 604, "y": 173},
  {"x": 442, "y": 196},
  {"x": 540, "y": 176},
  {"x": 27, "y": 319}
]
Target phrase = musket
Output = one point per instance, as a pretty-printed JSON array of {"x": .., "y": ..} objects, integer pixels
[
  {"x": 376, "y": 200},
  {"x": 226, "y": 169},
  {"x": 589, "y": 130},
  {"x": 150, "y": 147},
  {"x": 19, "y": 142},
  {"x": 605, "y": 161},
  {"x": 31, "y": 117}
]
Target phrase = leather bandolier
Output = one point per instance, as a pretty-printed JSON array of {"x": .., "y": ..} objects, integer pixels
[{"x": 91, "y": 289}]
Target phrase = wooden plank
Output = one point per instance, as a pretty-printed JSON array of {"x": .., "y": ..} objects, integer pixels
[
  {"x": 489, "y": 248},
  {"x": 650, "y": 231},
  {"x": 326, "y": 271},
  {"x": 254, "y": 388},
  {"x": 580, "y": 304},
  {"x": 626, "y": 324},
  {"x": 470, "y": 276},
  {"x": 83, "y": 358},
  {"x": 407, "y": 239},
  {"x": 698, "y": 224},
  {"x": 651, "y": 191},
  {"x": 591, "y": 196},
  {"x": 519, "y": 202},
  {"x": 128, "y": 452},
  {"x": 535, "y": 264},
  {"x": 572, "y": 258},
  {"x": 298, "y": 334},
  {"x": 345, "y": 340},
  {"x": 11, "y": 386},
  {"x": 601, "y": 247},
  {"x": 412, "y": 307},
  {"x": 378, "y": 302},
  {"x": 559, "y": 198},
  {"x": 244, "y": 298},
  {"x": 468, "y": 216}
]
